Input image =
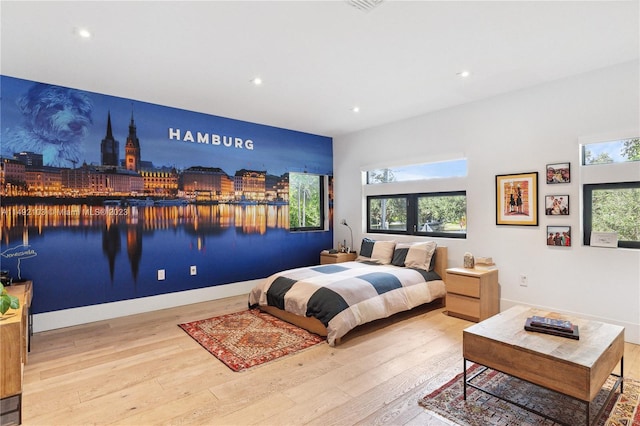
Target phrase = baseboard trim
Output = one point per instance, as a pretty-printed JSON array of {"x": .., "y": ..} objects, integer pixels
[{"x": 87, "y": 314}]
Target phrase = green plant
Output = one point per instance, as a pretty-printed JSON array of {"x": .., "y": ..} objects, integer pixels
[{"x": 7, "y": 301}]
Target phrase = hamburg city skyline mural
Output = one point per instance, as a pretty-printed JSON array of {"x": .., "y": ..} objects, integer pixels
[{"x": 99, "y": 192}]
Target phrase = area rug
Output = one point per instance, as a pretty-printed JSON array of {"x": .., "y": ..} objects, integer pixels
[
  {"x": 482, "y": 409},
  {"x": 249, "y": 338}
]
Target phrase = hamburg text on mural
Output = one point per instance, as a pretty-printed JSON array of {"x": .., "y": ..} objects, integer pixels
[{"x": 209, "y": 138}]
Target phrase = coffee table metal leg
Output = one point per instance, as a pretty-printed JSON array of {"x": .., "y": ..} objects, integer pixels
[
  {"x": 622, "y": 374},
  {"x": 464, "y": 381},
  {"x": 587, "y": 413}
]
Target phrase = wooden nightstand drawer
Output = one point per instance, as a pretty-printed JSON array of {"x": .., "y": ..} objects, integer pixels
[
  {"x": 472, "y": 294},
  {"x": 462, "y": 306},
  {"x": 461, "y": 284}
]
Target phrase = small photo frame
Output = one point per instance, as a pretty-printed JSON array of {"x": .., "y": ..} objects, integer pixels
[
  {"x": 556, "y": 205},
  {"x": 559, "y": 173},
  {"x": 559, "y": 236}
]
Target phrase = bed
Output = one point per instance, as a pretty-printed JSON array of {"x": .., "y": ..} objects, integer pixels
[{"x": 332, "y": 299}]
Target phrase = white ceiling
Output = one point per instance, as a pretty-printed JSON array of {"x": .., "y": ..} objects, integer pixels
[{"x": 318, "y": 59}]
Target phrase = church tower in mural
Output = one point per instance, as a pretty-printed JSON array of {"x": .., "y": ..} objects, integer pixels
[
  {"x": 132, "y": 149},
  {"x": 109, "y": 148}
]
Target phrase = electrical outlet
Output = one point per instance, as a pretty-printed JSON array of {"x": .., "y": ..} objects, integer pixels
[
  {"x": 193, "y": 270},
  {"x": 524, "y": 281},
  {"x": 161, "y": 275}
]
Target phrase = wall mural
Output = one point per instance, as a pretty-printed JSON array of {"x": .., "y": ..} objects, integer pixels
[{"x": 100, "y": 192}]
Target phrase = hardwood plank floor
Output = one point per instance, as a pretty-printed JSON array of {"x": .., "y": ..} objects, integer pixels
[{"x": 144, "y": 370}]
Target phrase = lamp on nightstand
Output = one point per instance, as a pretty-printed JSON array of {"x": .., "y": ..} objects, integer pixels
[{"x": 344, "y": 222}]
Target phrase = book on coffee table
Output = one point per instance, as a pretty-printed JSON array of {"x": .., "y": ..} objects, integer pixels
[
  {"x": 571, "y": 334},
  {"x": 554, "y": 323}
]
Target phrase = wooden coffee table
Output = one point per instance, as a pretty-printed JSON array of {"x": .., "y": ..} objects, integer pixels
[{"x": 577, "y": 368}]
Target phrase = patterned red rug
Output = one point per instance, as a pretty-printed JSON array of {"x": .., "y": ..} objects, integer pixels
[
  {"x": 482, "y": 409},
  {"x": 248, "y": 338}
]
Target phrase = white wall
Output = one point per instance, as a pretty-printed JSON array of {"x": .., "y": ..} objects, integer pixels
[{"x": 513, "y": 133}]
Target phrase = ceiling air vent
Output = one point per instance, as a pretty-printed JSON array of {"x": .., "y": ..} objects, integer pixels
[{"x": 364, "y": 5}]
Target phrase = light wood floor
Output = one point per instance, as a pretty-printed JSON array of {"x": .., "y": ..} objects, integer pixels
[{"x": 144, "y": 370}]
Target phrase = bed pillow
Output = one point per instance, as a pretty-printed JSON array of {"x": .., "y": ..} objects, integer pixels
[
  {"x": 376, "y": 251},
  {"x": 415, "y": 255}
]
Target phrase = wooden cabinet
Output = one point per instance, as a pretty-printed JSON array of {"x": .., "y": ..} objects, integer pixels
[
  {"x": 472, "y": 294},
  {"x": 326, "y": 257},
  {"x": 14, "y": 348}
]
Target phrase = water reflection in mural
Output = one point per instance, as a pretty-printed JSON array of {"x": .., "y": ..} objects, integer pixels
[{"x": 122, "y": 247}]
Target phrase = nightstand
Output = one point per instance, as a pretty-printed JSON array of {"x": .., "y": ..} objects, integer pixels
[
  {"x": 326, "y": 257},
  {"x": 472, "y": 294}
]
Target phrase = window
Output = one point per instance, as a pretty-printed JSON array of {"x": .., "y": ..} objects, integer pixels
[
  {"x": 418, "y": 199},
  {"x": 613, "y": 207},
  {"x": 424, "y": 171},
  {"x": 306, "y": 202},
  {"x": 388, "y": 213},
  {"x": 439, "y": 214},
  {"x": 442, "y": 214},
  {"x": 611, "y": 189},
  {"x": 617, "y": 151}
]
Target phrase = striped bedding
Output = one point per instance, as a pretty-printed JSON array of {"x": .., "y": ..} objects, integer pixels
[{"x": 345, "y": 295}]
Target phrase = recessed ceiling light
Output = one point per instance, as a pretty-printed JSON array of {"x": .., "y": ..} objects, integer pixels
[
  {"x": 355, "y": 109},
  {"x": 83, "y": 32},
  {"x": 464, "y": 74},
  {"x": 256, "y": 81}
]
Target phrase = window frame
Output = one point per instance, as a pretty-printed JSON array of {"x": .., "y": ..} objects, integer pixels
[
  {"x": 422, "y": 171},
  {"x": 386, "y": 231},
  {"x": 587, "y": 214},
  {"x": 609, "y": 143},
  {"x": 412, "y": 214}
]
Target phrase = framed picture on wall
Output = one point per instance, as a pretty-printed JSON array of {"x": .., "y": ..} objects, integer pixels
[
  {"x": 559, "y": 236},
  {"x": 556, "y": 205},
  {"x": 559, "y": 173},
  {"x": 517, "y": 199}
]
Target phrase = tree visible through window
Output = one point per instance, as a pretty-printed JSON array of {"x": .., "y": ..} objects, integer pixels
[
  {"x": 612, "y": 206},
  {"x": 619, "y": 151},
  {"x": 414, "y": 172},
  {"x": 306, "y": 201},
  {"x": 441, "y": 214},
  {"x": 388, "y": 213}
]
